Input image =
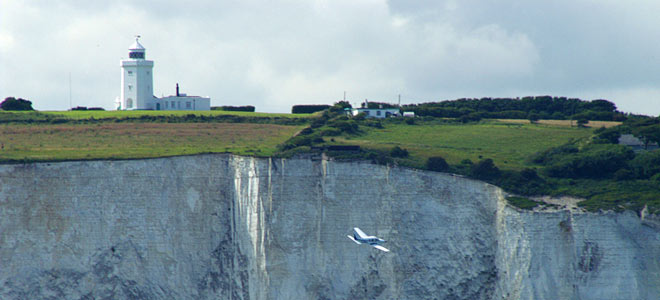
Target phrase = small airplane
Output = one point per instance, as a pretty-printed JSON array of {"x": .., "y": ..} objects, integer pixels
[{"x": 360, "y": 237}]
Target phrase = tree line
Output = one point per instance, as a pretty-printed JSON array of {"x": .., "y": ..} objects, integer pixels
[{"x": 533, "y": 108}]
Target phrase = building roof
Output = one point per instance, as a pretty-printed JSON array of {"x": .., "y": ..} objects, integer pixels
[{"x": 136, "y": 45}]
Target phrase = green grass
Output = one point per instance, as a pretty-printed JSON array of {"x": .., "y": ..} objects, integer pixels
[
  {"x": 508, "y": 145},
  {"x": 58, "y": 117},
  {"x": 54, "y": 142},
  {"x": 522, "y": 202},
  {"x": 86, "y": 114}
]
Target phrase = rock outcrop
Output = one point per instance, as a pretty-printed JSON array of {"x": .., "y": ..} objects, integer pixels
[{"x": 231, "y": 227}]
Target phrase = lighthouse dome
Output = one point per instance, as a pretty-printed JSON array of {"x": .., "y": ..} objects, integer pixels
[{"x": 136, "y": 50}]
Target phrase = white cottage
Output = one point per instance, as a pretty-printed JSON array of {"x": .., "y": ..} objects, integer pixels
[{"x": 375, "y": 112}]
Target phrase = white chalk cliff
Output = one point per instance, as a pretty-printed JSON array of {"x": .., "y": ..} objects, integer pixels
[{"x": 231, "y": 227}]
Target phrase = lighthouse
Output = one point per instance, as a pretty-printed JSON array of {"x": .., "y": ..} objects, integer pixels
[{"x": 137, "y": 91}]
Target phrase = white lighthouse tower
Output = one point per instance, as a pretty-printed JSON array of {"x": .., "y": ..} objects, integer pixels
[{"x": 137, "y": 91}]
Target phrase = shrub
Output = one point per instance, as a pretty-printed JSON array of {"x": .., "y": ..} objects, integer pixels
[
  {"x": 308, "y": 109},
  {"x": 437, "y": 163},
  {"x": 594, "y": 161},
  {"x": 373, "y": 123},
  {"x": 522, "y": 202},
  {"x": 646, "y": 164},
  {"x": 607, "y": 136},
  {"x": 348, "y": 126},
  {"x": 248, "y": 108},
  {"x": 330, "y": 132},
  {"x": 306, "y": 131},
  {"x": 398, "y": 152},
  {"x": 485, "y": 169},
  {"x": 529, "y": 174},
  {"x": 525, "y": 182},
  {"x": 623, "y": 174},
  {"x": 553, "y": 154}
]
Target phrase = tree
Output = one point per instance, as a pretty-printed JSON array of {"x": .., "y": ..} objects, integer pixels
[
  {"x": 582, "y": 122},
  {"x": 648, "y": 134},
  {"x": 533, "y": 117},
  {"x": 601, "y": 105},
  {"x": 12, "y": 103}
]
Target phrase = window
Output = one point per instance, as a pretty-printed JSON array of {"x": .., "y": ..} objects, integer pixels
[
  {"x": 378, "y": 112},
  {"x": 173, "y": 106},
  {"x": 166, "y": 104},
  {"x": 188, "y": 106},
  {"x": 129, "y": 103},
  {"x": 130, "y": 73},
  {"x": 130, "y": 87},
  {"x": 136, "y": 54}
]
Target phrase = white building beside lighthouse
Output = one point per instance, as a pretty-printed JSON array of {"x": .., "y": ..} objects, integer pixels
[{"x": 137, "y": 91}]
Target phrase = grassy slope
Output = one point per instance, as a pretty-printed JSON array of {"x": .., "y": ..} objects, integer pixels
[{"x": 508, "y": 145}]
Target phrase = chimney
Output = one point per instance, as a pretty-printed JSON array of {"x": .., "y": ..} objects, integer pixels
[{"x": 177, "y": 90}]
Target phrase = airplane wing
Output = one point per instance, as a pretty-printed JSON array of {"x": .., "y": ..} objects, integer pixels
[
  {"x": 379, "y": 247},
  {"x": 353, "y": 239},
  {"x": 360, "y": 233}
]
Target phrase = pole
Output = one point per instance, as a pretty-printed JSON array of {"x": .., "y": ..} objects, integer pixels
[{"x": 70, "y": 101}]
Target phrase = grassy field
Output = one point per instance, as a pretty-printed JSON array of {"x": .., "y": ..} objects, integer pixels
[
  {"x": 568, "y": 123},
  {"x": 109, "y": 140},
  {"x": 509, "y": 145},
  {"x": 86, "y": 114},
  {"x": 164, "y": 116}
]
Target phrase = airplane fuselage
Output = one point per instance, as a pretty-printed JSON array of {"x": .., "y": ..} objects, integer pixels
[
  {"x": 361, "y": 238},
  {"x": 371, "y": 240}
]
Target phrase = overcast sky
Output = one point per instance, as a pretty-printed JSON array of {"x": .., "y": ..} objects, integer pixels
[{"x": 277, "y": 53}]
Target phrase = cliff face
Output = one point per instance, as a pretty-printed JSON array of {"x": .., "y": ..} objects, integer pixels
[{"x": 229, "y": 227}]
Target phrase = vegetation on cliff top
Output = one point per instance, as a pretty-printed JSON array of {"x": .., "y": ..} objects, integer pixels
[{"x": 528, "y": 158}]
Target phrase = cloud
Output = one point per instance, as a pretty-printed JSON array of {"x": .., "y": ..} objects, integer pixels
[{"x": 274, "y": 54}]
